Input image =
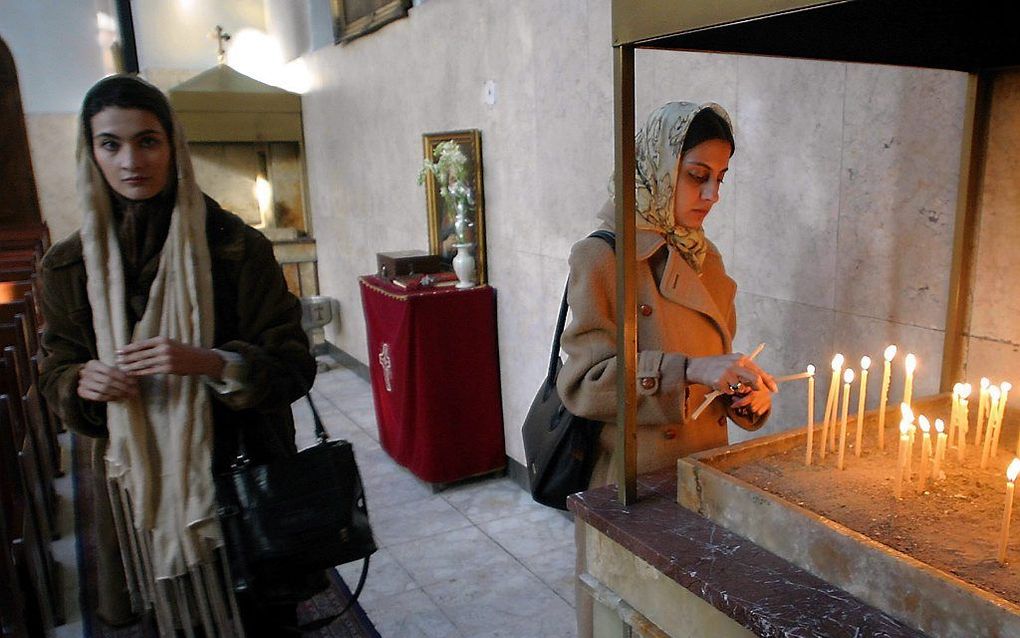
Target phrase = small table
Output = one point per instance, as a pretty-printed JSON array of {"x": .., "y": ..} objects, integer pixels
[{"x": 434, "y": 367}]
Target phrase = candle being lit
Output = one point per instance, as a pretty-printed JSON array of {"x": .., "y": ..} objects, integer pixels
[
  {"x": 830, "y": 401},
  {"x": 848, "y": 379},
  {"x": 1011, "y": 473},
  {"x": 883, "y": 399},
  {"x": 909, "y": 364},
  {"x": 865, "y": 364},
  {"x": 940, "y": 450},
  {"x": 982, "y": 410},
  {"x": 922, "y": 478},
  {"x": 901, "y": 461},
  {"x": 810, "y": 414}
]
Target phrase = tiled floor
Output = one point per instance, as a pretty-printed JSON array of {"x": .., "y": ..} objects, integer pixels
[{"x": 477, "y": 560}]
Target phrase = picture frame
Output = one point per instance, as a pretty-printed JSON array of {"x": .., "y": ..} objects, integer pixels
[
  {"x": 441, "y": 229},
  {"x": 355, "y": 18}
]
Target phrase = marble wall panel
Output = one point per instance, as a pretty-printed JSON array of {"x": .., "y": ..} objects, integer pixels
[
  {"x": 52, "y": 139},
  {"x": 898, "y": 179},
  {"x": 790, "y": 117},
  {"x": 996, "y": 292}
]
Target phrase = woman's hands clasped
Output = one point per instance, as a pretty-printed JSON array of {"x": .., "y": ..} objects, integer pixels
[
  {"x": 159, "y": 355},
  {"x": 735, "y": 374}
]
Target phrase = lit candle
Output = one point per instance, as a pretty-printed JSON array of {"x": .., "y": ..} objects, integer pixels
[
  {"x": 901, "y": 461},
  {"x": 910, "y": 364},
  {"x": 940, "y": 450},
  {"x": 830, "y": 401},
  {"x": 890, "y": 352},
  {"x": 954, "y": 414},
  {"x": 993, "y": 414},
  {"x": 922, "y": 478},
  {"x": 848, "y": 378},
  {"x": 982, "y": 410},
  {"x": 1005, "y": 387},
  {"x": 865, "y": 364},
  {"x": 810, "y": 414},
  {"x": 962, "y": 421},
  {"x": 1011, "y": 473}
]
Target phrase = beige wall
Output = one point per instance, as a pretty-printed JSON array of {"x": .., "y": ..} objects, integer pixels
[{"x": 836, "y": 220}]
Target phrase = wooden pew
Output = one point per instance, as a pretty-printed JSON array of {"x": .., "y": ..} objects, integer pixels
[{"x": 13, "y": 623}]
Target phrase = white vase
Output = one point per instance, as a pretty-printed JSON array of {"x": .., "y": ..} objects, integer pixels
[{"x": 464, "y": 265}]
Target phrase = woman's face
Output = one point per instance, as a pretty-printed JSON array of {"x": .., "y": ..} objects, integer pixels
[
  {"x": 699, "y": 175},
  {"x": 132, "y": 150}
]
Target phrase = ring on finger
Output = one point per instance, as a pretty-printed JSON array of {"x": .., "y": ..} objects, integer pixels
[{"x": 736, "y": 387}]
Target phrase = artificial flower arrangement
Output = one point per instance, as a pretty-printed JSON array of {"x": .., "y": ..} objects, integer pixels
[{"x": 450, "y": 172}]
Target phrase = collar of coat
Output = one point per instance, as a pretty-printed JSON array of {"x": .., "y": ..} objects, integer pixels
[{"x": 681, "y": 284}]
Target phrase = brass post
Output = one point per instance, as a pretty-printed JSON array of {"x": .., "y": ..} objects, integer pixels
[{"x": 626, "y": 304}]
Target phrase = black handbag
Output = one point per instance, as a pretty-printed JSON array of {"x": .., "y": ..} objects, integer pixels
[
  {"x": 294, "y": 517},
  {"x": 560, "y": 448}
]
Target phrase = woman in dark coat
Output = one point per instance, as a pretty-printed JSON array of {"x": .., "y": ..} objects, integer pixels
[{"x": 169, "y": 333}]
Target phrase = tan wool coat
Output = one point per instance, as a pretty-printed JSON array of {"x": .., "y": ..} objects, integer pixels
[{"x": 680, "y": 314}]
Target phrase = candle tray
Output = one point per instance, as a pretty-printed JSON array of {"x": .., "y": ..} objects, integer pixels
[{"x": 927, "y": 598}]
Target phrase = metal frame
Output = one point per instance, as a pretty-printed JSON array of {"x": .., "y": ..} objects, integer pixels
[{"x": 657, "y": 23}]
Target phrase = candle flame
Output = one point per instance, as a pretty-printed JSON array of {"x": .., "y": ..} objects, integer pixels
[
  {"x": 984, "y": 383},
  {"x": 890, "y": 352},
  {"x": 940, "y": 426},
  {"x": 1006, "y": 386},
  {"x": 957, "y": 389},
  {"x": 904, "y": 427},
  {"x": 994, "y": 392},
  {"x": 910, "y": 363},
  {"x": 924, "y": 423},
  {"x": 865, "y": 362},
  {"x": 811, "y": 369},
  {"x": 965, "y": 390},
  {"x": 907, "y": 413},
  {"x": 1013, "y": 470},
  {"x": 837, "y": 362},
  {"x": 848, "y": 376}
]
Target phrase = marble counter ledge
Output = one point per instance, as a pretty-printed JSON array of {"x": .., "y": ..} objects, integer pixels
[{"x": 752, "y": 586}]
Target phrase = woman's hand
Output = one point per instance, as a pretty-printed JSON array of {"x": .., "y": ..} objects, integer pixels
[
  {"x": 758, "y": 402},
  {"x": 161, "y": 355},
  {"x": 100, "y": 382},
  {"x": 722, "y": 371}
]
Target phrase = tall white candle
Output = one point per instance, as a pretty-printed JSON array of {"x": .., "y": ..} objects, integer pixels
[
  {"x": 901, "y": 459},
  {"x": 883, "y": 398},
  {"x": 922, "y": 478},
  {"x": 1005, "y": 387},
  {"x": 940, "y": 450},
  {"x": 908, "y": 416},
  {"x": 810, "y": 414},
  {"x": 982, "y": 411},
  {"x": 954, "y": 414},
  {"x": 863, "y": 389},
  {"x": 848, "y": 379},
  {"x": 830, "y": 401},
  {"x": 1011, "y": 473},
  {"x": 909, "y": 364},
  {"x": 993, "y": 414},
  {"x": 962, "y": 421}
]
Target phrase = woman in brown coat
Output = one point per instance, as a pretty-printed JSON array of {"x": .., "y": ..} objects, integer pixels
[
  {"x": 686, "y": 317},
  {"x": 169, "y": 334}
]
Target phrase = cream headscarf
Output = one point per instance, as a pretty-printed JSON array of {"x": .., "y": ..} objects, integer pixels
[
  {"x": 159, "y": 458},
  {"x": 657, "y": 153}
]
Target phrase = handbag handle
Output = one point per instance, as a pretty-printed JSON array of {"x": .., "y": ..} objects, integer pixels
[
  {"x": 554, "y": 357},
  {"x": 321, "y": 436}
]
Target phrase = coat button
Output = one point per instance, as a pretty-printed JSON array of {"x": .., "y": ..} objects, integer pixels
[
  {"x": 669, "y": 433},
  {"x": 645, "y": 309},
  {"x": 647, "y": 383}
]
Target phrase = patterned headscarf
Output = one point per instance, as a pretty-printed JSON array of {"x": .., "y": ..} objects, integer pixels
[{"x": 658, "y": 146}]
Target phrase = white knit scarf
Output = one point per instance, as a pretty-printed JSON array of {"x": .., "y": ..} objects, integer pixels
[{"x": 159, "y": 458}]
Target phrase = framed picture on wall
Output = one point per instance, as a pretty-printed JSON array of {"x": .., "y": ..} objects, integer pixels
[
  {"x": 456, "y": 209},
  {"x": 355, "y": 18}
]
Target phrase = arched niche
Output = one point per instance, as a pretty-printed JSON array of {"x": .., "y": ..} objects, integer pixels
[{"x": 20, "y": 204}]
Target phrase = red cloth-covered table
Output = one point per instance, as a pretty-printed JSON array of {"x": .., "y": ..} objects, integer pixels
[{"x": 435, "y": 378}]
